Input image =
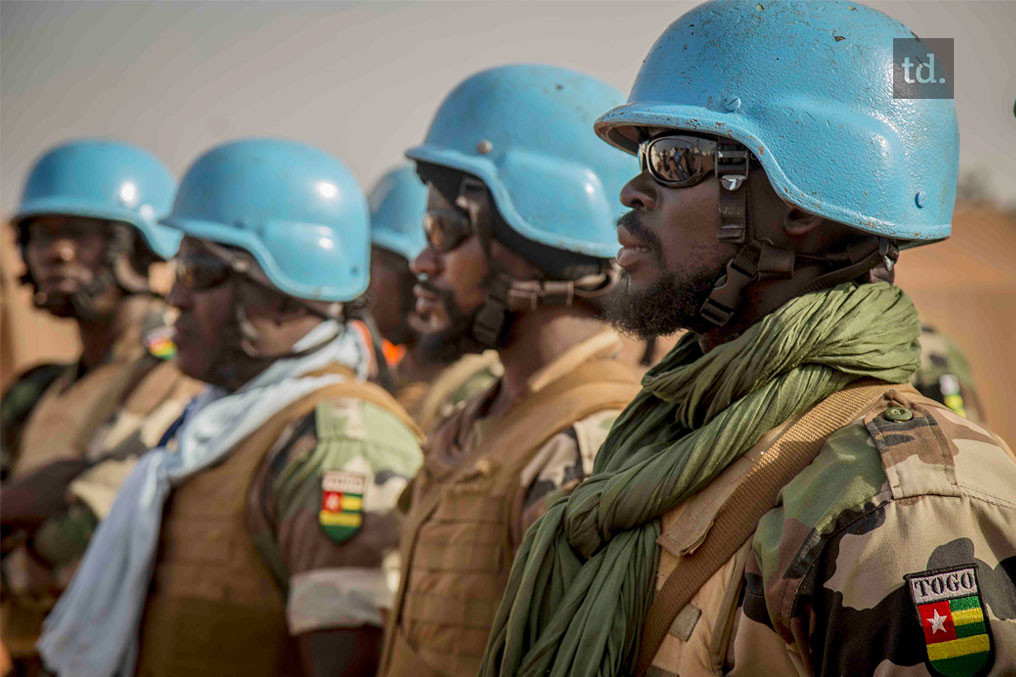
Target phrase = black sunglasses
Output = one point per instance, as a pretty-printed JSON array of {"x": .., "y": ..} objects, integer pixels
[
  {"x": 677, "y": 161},
  {"x": 200, "y": 273},
  {"x": 446, "y": 229}
]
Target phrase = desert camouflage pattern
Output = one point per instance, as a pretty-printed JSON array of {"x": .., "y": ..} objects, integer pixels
[
  {"x": 330, "y": 584},
  {"x": 945, "y": 375},
  {"x": 429, "y": 403},
  {"x": 908, "y": 489},
  {"x": 560, "y": 464},
  {"x": 144, "y": 393}
]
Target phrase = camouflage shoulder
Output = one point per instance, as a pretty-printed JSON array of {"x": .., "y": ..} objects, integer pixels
[
  {"x": 378, "y": 429},
  {"x": 30, "y": 385},
  {"x": 470, "y": 377},
  {"x": 865, "y": 505},
  {"x": 562, "y": 462},
  {"x": 17, "y": 404},
  {"x": 844, "y": 481}
]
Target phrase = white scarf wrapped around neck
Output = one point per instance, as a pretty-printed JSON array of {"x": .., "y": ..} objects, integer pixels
[{"x": 93, "y": 630}]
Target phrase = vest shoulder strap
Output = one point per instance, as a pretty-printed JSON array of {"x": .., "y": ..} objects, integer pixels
[{"x": 754, "y": 496}]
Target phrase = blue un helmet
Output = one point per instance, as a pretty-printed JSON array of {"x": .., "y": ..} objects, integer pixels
[
  {"x": 297, "y": 210},
  {"x": 103, "y": 180},
  {"x": 807, "y": 87},
  {"x": 397, "y": 204},
  {"x": 525, "y": 131}
]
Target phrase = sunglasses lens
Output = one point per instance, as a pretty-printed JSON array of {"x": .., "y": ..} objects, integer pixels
[
  {"x": 445, "y": 230},
  {"x": 676, "y": 161},
  {"x": 201, "y": 273}
]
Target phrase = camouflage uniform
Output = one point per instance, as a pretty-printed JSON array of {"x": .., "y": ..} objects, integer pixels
[
  {"x": 335, "y": 577},
  {"x": 429, "y": 403},
  {"x": 892, "y": 553},
  {"x": 143, "y": 392},
  {"x": 945, "y": 375}
]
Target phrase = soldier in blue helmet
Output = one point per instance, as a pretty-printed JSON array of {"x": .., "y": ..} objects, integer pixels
[
  {"x": 778, "y": 500},
  {"x": 520, "y": 231},
  {"x": 88, "y": 233},
  {"x": 428, "y": 385},
  {"x": 255, "y": 538}
]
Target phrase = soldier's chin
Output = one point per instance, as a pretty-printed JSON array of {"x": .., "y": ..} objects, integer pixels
[
  {"x": 57, "y": 304},
  {"x": 192, "y": 360}
]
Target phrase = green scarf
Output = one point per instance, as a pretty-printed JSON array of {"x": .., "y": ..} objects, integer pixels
[{"x": 583, "y": 579}]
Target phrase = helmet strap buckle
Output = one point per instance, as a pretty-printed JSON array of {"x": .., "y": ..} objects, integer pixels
[
  {"x": 889, "y": 252},
  {"x": 732, "y": 173}
]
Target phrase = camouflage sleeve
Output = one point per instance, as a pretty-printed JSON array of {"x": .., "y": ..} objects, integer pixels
[
  {"x": 16, "y": 405},
  {"x": 894, "y": 552},
  {"x": 564, "y": 461},
  {"x": 62, "y": 539},
  {"x": 320, "y": 512}
]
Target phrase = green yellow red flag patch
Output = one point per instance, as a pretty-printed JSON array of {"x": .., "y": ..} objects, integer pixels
[
  {"x": 949, "y": 608},
  {"x": 341, "y": 513},
  {"x": 159, "y": 342}
]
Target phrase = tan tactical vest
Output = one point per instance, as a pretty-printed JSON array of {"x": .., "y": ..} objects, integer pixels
[
  {"x": 214, "y": 608},
  {"x": 460, "y": 536}
]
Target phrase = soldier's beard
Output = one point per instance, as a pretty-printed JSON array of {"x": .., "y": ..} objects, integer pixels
[
  {"x": 669, "y": 304},
  {"x": 449, "y": 344},
  {"x": 96, "y": 299}
]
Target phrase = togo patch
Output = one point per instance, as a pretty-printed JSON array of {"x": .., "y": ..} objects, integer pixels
[
  {"x": 341, "y": 513},
  {"x": 952, "y": 616},
  {"x": 159, "y": 342}
]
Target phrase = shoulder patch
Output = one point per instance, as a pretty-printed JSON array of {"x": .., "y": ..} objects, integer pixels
[
  {"x": 341, "y": 513},
  {"x": 954, "y": 622},
  {"x": 159, "y": 342}
]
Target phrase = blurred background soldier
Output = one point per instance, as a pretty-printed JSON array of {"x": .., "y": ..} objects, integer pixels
[
  {"x": 252, "y": 540},
  {"x": 87, "y": 230},
  {"x": 945, "y": 375},
  {"x": 428, "y": 385},
  {"x": 520, "y": 229}
]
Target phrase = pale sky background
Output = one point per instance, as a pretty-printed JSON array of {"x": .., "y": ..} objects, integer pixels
[{"x": 362, "y": 80}]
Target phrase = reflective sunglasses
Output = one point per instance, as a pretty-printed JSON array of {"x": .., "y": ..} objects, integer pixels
[
  {"x": 677, "y": 161},
  {"x": 200, "y": 273},
  {"x": 446, "y": 229}
]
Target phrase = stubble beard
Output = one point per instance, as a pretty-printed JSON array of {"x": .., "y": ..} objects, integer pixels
[
  {"x": 671, "y": 303},
  {"x": 447, "y": 345}
]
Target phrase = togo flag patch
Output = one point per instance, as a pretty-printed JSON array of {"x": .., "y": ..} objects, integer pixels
[
  {"x": 341, "y": 513},
  {"x": 955, "y": 624}
]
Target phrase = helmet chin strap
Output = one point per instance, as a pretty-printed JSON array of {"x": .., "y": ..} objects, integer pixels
[
  {"x": 506, "y": 294},
  {"x": 759, "y": 259}
]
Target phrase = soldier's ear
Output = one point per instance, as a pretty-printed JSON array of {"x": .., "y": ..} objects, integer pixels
[{"x": 797, "y": 222}]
